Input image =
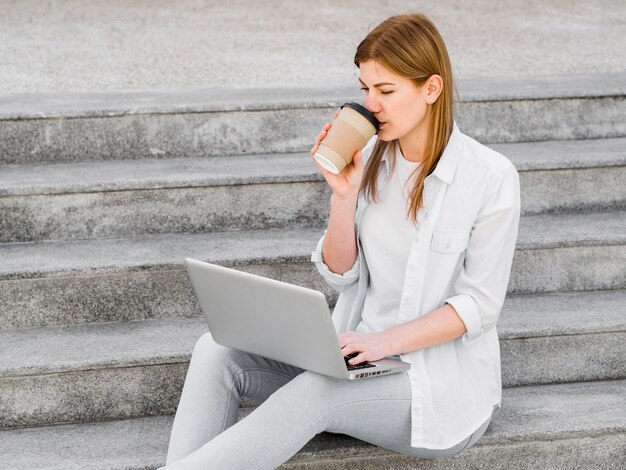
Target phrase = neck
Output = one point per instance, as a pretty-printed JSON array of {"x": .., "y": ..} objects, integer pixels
[{"x": 413, "y": 145}]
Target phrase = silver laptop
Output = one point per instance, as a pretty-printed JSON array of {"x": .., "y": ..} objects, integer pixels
[{"x": 276, "y": 320}]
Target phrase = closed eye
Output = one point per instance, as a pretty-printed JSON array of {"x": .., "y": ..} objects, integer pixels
[{"x": 382, "y": 92}]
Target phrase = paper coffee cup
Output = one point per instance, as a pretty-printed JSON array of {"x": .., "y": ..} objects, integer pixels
[{"x": 352, "y": 129}]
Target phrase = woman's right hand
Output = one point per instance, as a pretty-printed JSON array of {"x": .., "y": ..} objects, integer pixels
[{"x": 346, "y": 184}]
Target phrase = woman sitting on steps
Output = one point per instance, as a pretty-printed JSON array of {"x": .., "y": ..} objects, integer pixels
[{"x": 420, "y": 242}]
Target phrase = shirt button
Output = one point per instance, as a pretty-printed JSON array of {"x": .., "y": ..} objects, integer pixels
[{"x": 447, "y": 245}]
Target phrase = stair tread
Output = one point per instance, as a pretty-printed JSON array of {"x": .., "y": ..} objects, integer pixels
[
  {"x": 124, "y": 175},
  {"x": 75, "y": 257},
  {"x": 144, "y": 343},
  {"x": 120, "y": 175},
  {"x": 97, "y": 346},
  {"x": 562, "y": 313},
  {"x": 248, "y": 98},
  {"x": 534, "y": 413},
  {"x": 564, "y": 154},
  {"x": 542, "y": 231},
  {"x": 21, "y": 260}
]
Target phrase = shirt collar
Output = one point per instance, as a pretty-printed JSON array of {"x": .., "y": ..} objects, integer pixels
[{"x": 446, "y": 166}]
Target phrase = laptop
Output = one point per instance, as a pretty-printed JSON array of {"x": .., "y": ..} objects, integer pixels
[{"x": 277, "y": 320}]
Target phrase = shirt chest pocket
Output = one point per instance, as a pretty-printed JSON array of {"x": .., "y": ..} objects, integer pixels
[{"x": 449, "y": 241}]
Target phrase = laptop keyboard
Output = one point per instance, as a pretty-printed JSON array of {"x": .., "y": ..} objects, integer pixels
[{"x": 363, "y": 365}]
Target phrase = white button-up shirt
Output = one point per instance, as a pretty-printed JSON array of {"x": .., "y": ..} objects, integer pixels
[{"x": 461, "y": 255}]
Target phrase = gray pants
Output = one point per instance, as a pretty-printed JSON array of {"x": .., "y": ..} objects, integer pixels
[{"x": 296, "y": 405}]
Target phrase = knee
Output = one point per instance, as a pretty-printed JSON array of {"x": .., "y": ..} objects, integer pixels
[
  {"x": 205, "y": 346},
  {"x": 208, "y": 352}
]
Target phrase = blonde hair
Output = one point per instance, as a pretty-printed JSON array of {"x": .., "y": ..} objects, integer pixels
[{"x": 410, "y": 46}]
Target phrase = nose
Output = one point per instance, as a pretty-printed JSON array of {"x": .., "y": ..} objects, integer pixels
[{"x": 371, "y": 103}]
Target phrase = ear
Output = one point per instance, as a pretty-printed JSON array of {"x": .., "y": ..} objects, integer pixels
[{"x": 433, "y": 88}]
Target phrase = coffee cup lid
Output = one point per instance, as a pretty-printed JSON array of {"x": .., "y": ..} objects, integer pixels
[{"x": 364, "y": 112}]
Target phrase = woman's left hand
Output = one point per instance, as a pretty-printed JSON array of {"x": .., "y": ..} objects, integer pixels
[{"x": 370, "y": 346}]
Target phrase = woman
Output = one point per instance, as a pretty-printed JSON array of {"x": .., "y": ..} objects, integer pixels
[{"x": 420, "y": 241}]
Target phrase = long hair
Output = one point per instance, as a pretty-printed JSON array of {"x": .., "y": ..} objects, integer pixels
[{"x": 410, "y": 46}]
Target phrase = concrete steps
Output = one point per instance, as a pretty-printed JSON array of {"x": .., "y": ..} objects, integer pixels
[
  {"x": 97, "y": 126},
  {"x": 130, "y": 198},
  {"x": 548, "y": 426},
  {"x": 85, "y": 281},
  {"x": 134, "y": 369},
  {"x": 102, "y": 195}
]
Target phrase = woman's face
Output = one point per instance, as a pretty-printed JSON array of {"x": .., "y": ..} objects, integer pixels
[{"x": 399, "y": 104}]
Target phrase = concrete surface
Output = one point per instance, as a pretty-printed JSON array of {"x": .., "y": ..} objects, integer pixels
[
  {"x": 116, "y": 280},
  {"x": 115, "y": 393},
  {"x": 562, "y": 313},
  {"x": 71, "y": 257},
  {"x": 568, "y": 269},
  {"x": 216, "y": 99},
  {"x": 78, "y": 45},
  {"x": 148, "y": 196},
  {"x": 558, "y": 426},
  {"x": 100, "y": 298},
  {"x": 89, "y": 347},
  {"x": 176, "y": 210},
  {"x": 122, "y": 370},
  {"x": 167, "y": 132},
  {"x": 81, "y": 80},
  {"x": 124, "y": 175}
]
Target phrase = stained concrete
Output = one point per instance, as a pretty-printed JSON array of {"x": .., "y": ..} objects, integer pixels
[
  {"x": 108, "y": 279},
  {"x": 91, "y": 395},
  {"x": 157, "y": 173},
  {"x": 50, "y": 48},
  {"x": 574, "y": 231},
  {"x": 562, "y": 313},
  {"x": 106, "y": 199},
  {"x": 561, "y": 269},
  {"x": 558, "y": 359},
  {"x": 133, "y": 369},
  {"x": 551, "y": 427},
  {"x": 63, "y": 45},
  {"x": 175, "y": 210},
  {"x": 220, "y": 99},
  {"x": 171, "y": 133}
]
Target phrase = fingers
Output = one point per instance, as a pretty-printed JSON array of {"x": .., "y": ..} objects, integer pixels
[
  {"x": 358, "y": 162},
  {"x": 358, "y": 359},
  {"x": 358, "y": 350},
  {"x": 352, "y": 349},
  {"x": 346, "y": 338},
  {"x": 351, "y": 342},
  {"x": 320, "y": 137},
  {"x": 365, "y": 346}
]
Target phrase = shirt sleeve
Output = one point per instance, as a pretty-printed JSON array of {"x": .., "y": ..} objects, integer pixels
[
  {"x": 339, "y": 282},
  {"x": 481, "y": 286}
]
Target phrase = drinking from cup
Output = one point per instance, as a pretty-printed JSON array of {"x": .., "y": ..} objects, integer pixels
[{"x": 352, "y": 129}]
